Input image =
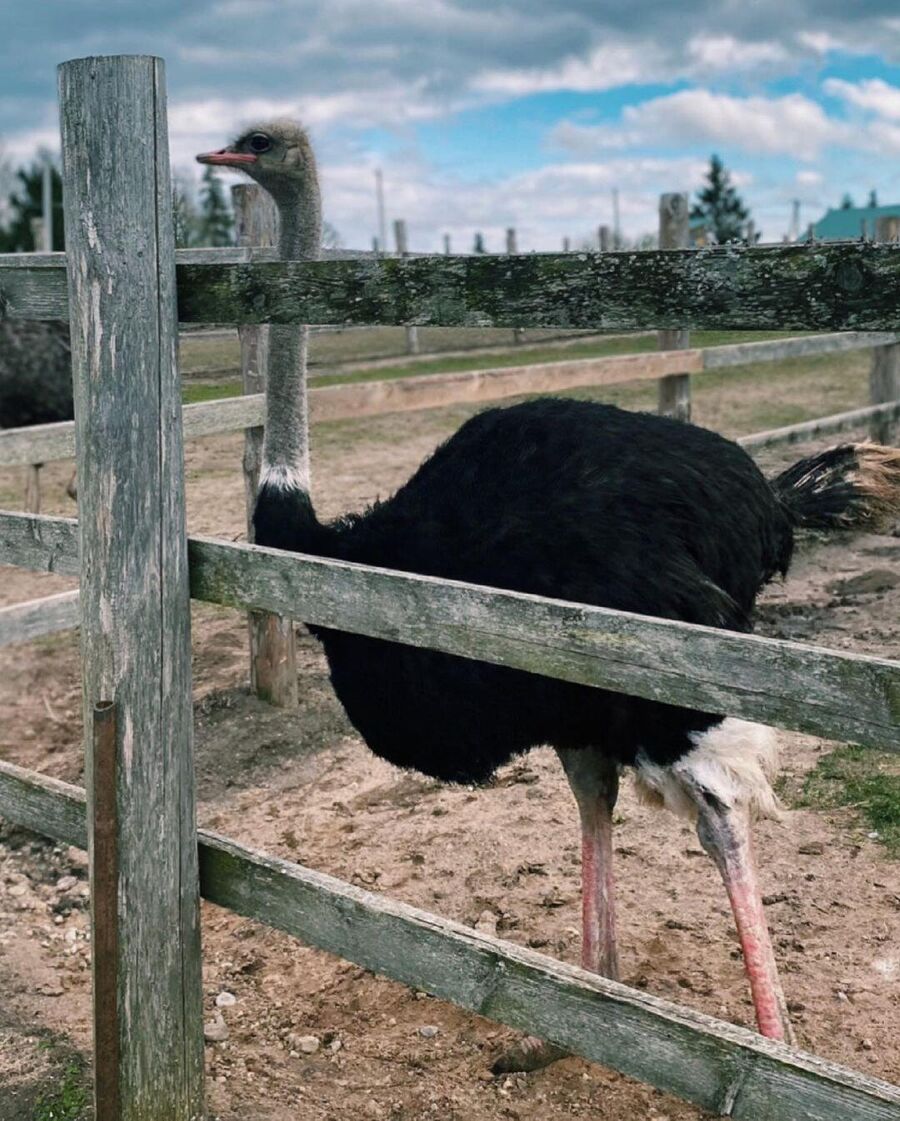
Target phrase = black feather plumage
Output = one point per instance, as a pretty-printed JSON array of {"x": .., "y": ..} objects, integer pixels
[{"x": 560, "y": 498}]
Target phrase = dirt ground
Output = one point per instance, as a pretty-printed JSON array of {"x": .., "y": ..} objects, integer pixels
[{"x": 311, "y": 1036}]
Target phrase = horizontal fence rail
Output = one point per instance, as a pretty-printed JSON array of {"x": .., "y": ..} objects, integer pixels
[
  {"x": 47, "y": 442},
  {"x": 719, "y": 1066},
  {"x": 791, "y": 685},
  {"x": 837, "y": 286},
  {"x": 23, "y": 622}
]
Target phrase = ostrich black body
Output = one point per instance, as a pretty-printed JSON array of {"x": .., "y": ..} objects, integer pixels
[{"x": 560, "y": 498}]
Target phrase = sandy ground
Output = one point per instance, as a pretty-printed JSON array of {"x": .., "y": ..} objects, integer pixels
[{"x": 302, "y": 786}]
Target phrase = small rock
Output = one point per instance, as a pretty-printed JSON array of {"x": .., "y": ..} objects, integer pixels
[
  {"x": 225, "y": 1000},
  {"x": 216, "y": 1030},
  {"x": 865, "y": 1045},
  {"x": 76, "y": 858},
  {"x": 428, "y": 1031},
  {"x": 873, "y": 836},
  {"x": 487, "y": 923},
  {"x": 812, "y": 848},
  {"x": 307, "y": 1044},
  {"x": 796, "y": 1006},
  {"x": 66, "y": 883},
  {"x": 17, "y": 889}
]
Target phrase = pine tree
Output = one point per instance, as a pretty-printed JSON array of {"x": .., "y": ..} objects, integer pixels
[
  {"x": 478, "y": 247},
  {"x": 719, "y": 205},
  {"x": 216, "y": 221},
  {"x": 847, "y": 201},
  {"x": 873, "y": 198},
  {"x": 27, "y": 203}
]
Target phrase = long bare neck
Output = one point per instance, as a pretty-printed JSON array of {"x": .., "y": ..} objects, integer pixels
[{"x": 286, "y": 447}]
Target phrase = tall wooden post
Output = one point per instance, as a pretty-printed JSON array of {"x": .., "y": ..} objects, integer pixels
[
  {"x": 273, "y": 647},
  {"x": 412, "y": 333},
  {"x": 512, "y": 247},
  {"x": 135, "y": 597},
  {"x": 884, "y": 386},
  {"x": 674, "y": 233}
]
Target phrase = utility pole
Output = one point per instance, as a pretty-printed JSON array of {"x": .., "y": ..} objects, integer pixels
[
  {"x": 379, "y": 198},
  {"x": 47, "y": 205}
]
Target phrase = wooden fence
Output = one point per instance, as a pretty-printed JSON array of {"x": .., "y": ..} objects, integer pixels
[{"x": 137, "y": 575}]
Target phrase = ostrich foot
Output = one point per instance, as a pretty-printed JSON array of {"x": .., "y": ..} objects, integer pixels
[{"x": 529, "y": 1053}]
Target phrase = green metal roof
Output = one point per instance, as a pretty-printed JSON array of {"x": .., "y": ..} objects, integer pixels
[{"x": 843, "y": 224}]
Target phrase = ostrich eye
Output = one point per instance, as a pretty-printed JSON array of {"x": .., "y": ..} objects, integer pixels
[{"x": 259, "y": 142}]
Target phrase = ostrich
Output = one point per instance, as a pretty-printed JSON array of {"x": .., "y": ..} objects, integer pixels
[{"x": 576, "y": 501}]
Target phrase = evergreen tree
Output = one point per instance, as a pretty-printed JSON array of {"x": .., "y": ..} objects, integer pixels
[
  {"x": 873, "y": 198},
  {"x": 478, "y": 247},
  {"x": 719, "y": 205},
  {"x": 25, "y": 203},
  {"x": 216, "y": 222},
  {"x": 847, "y": 201}
]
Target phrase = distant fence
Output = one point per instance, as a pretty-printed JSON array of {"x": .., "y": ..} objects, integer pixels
[{"x": 137, "y": 577}]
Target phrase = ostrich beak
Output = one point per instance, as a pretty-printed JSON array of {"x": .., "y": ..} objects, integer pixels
[{"x": 226, "y": 158}]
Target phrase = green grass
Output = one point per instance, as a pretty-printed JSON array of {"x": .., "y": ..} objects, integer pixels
[
  {"x": 69, "y": 1100},
  {"x": 191, "y": 394},
  {"x": 866, "y": 781}
]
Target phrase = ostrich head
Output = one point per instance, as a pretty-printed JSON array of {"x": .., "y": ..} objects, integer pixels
[{"x": 277, "y": 154}]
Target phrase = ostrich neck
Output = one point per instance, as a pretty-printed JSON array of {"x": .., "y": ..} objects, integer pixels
[{"x": 286, "y": 447}]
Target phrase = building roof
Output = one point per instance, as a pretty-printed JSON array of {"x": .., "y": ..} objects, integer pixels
[{"x": 847, "y": 223}]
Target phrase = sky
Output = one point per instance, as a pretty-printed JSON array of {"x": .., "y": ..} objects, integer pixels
[{"x": 486, "y": 114}]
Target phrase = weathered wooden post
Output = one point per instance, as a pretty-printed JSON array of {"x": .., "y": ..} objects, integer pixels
[
  {"x": 273, "y": 648},
  {"x": 135, "y": 597},
  {"x": 604, "y": 239},
  {"x": 512, "y": 247},
  {"x": 33, "y": 488},
  {"x": 412, "y": 333},
  {"x": 674, "y": 233},
  {"x": 884, "y": 386}
]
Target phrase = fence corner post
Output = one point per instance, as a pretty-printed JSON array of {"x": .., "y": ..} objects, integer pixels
[
  {"x": 674, "y": 233},
  {"x": 273, "y": 647},
  {"x": 135, "y": 595}
]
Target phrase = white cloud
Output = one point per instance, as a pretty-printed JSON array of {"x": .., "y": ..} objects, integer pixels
[
  {"x": 871, "y": 94},
  {"x": 790, "y": 125},
  {"x": 725, "y": 53},
  {"x": 604, "y": 68},
  {"x": 806, "y": 177}
]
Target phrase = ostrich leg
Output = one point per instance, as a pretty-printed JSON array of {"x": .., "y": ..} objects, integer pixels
[
  {"x": 724, "y": 833},
  {"x": 595, "y": 783}
]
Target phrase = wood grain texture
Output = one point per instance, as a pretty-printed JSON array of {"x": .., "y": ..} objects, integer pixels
[
  {"x": 721, "y": 1067},
  {"x": 849, "y": 286},
  {"x": 135, "y": 621},
  {"x": 674, "y": 394},
  {"x": 273, "y": 647},
  {"x": 884, "y": 385},
  {"x": 23, "y": 622},
  {"x": 840, "y": 696},
  {"x": 834, "y": 286},
  {"x": 787, "y": 684}
]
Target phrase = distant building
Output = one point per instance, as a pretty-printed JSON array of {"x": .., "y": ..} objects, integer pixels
[{"x": 851, "y": 222}]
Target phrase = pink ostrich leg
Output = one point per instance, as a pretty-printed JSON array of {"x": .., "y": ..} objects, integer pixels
[
  {"x": 595, "y": 783},
  {"x": 725, "y": 834}
]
